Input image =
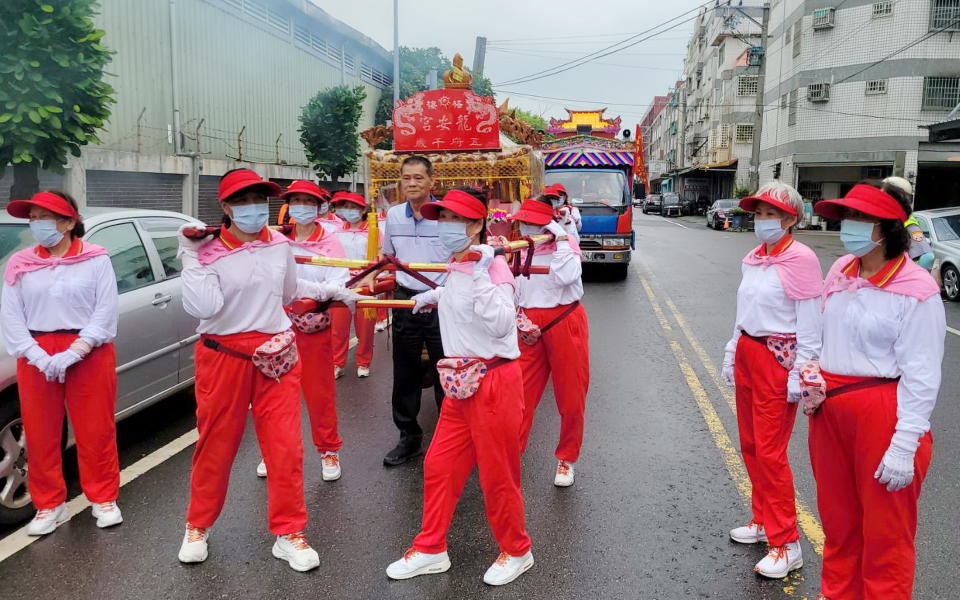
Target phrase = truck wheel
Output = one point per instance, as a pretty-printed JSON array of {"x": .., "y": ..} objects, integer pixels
[
  {"x": 618, "y": 272},
  {"x": 15, "y": 506}
]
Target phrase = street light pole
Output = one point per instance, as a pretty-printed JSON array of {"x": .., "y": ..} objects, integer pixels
[
  {"x": 396, "y": 51},
  {"x": 758, "y": 114}
]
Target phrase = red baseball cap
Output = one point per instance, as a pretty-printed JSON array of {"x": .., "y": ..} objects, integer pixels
[
  {"x": 750, "y": 203},
  {"x": 48, "y": 200},
  {"x": 866, "y": 199},
  {"x": 237, "y": 181},
  {"x": 534, "y": 211},
  {"x": 306, "y": 187},
  {"x": 343, "y": 196},
  {"x": 559, "y": 187},
  {"x": 551, "y": 190},
  {"x": 458, "y": 202}
]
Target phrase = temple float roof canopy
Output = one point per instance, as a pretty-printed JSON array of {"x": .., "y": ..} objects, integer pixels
[{"x": 594, "y": 119}]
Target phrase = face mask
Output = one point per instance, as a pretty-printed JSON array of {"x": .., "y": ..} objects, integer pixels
[
  {"x": 45, "y": 232},
  {"x": 556, "y": 202},
  {"x": 350, "y": 215},
  {"x": 768, "y": 230},
  {"x": 250, "y": 218},
  {"x": 303, "y": 214},
  {"x": 453, "y": 235},
  {"x": 324, "y": 208},
  {"x": 528, "y": 229},
  {"x": 857, "y": 237}
]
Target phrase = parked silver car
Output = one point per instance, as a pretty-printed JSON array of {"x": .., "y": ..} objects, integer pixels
[
  {"x": 942, "y": 228},
  {"x": 154, "y": 336}
]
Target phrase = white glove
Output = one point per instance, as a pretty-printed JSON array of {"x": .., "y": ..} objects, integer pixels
[
  {"x": 189, "y": 245},
  {"x": 59, "y": 363},
  {"x": 793, "y": 389},
  {"x": 556, "y": 229},
  {"x": 726, "y": 372},
  {"x": 424, "y": 301},
  {"x": 486, "y": 258},
  {"x": 39, "y": 358},
  {"x": 348, "y": 296},
  {"x": 896, "y": 468}
]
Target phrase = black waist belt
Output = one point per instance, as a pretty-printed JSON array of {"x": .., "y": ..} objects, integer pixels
[
  {"x": 70, "y": 331},
  {"x": 859, "y": 385}
]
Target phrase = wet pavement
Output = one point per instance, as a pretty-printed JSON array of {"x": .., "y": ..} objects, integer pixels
[{"x": 658, "y": 485}]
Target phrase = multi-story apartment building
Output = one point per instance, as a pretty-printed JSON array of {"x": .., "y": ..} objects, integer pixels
[
  {"x": 664, "y": 148},
  {"x": 850, "y": 85}
]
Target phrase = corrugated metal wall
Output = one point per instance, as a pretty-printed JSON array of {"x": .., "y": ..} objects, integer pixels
[{"x": 234, "y": 71}]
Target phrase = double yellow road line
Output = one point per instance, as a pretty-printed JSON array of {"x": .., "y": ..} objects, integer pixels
[{"x": 732, "y": 459}]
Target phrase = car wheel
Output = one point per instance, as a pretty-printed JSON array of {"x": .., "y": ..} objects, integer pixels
[
  {"x": 951, "y": 282},
  {"x": 15, "y": 505}
]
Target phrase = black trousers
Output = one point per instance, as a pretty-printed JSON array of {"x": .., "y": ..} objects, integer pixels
[{"x": 410, "y": 333}]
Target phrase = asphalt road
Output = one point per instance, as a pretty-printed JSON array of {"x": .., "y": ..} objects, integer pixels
[{"x": 658, "y": 485}]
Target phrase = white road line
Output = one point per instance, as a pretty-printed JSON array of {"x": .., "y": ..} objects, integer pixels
[
  {"x": 674, "y": 223},
  {"x": 953, "y": 331},
  {"x": 18, "y": 540}
]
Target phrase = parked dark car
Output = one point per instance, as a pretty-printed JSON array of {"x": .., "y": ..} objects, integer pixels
[
  {"x": 670, "y": 205},
  {"x": 719, "y": 211},
  {"x": 651, "y": 204}
]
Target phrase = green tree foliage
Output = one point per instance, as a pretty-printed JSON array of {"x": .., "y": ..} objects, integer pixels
[
  {"x": 52, "y": 95},
  {"x": 328, "y": 130},
  {"x": 415, "y": 64},
  {"x": 741, "y": 191},
  {"x": 536, "y": 121}
]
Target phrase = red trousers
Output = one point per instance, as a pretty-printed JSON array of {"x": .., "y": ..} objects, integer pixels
[
  {"x": 342, "y": 318},
  {"x": 481, "y": 431},
  {"x": 319, "y": 388},
  {"x": 562, "y": 354},
  {"x": 869, "y": 550},
  {"x": 765, "y": 421},
  {"x": 227, "y": 387},
  {"x": 89, "y": 396}
]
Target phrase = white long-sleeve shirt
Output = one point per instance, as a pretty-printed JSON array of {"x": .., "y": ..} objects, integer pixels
[
  {"x": 871, "y": 332},
  {"x": 478, "y": 318},
  {"x": 354, "y": 241},
  {"x": 563, "y": 285},
  {"x": 80, "y": 296},
  {"x": 763, "y": 309},
  {"x": 244, "y": 291}
]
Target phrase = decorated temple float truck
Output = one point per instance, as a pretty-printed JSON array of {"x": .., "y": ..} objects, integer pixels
[{"x": 596, "y": 168}]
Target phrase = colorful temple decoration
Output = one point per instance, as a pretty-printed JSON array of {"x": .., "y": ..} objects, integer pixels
[
  {"x": 599, "y": 126},
  {"x": 573, "y": 157}
]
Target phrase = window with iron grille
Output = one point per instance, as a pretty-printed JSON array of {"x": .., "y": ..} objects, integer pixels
[
  {"x": 744, "y": 133},
  {"x": 823, "y": 18},
  {"x": 723, "y": 136},
  {"x": 941, "y": 93},
  {"x": 882, "y": 9},
  {"x": 792, "y": 114},
  {"x": 747, "y": 85},
  {"x": 875, "y": 87},
  {"x": 818, "y": 92},
  {"x": 783, "y": 101},
  {"x": 797, "y": 36},
  {"x": 945, "y": 15},
  {"x": 811, "y": 190}
]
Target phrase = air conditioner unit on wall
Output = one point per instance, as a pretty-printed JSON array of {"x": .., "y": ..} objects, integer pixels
[
  {"x": 818, "y": 92},
  {"x": 823, "y": 18}
]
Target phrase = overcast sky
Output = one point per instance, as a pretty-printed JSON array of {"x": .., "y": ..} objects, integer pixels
[{"x": 528, "y": 36}]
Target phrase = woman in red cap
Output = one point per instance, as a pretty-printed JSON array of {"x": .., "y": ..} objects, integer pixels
[
  {"x": 352, "y": 210},
  {"x": 480, "y": 418},
  {"x": 237, "y": 285},
  {"x": 553, "y": 334},
  {"x": 314, "y": 339},
  {"x": 59, "y": 315},
  {"x": 776, "y": 331},
  {"x": 569, "y": 214},
  {"x": 879, "y": 371}
]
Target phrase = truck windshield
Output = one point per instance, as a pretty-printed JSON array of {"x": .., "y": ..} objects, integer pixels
[{"x": 592, "y": 188}]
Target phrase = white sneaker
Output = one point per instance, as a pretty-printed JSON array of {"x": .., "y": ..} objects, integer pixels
[
  {"x": 778, "y": 563},
  {"x": 107, "y": 514},
  {"x": 294, "y": 549},
  {"x": 414, "y": 563},
  {"x": 262, "y": 469},
  {"x": 337, "y": 372},
  {"x": 381, "y": 326},
  {"x": 363, "y": 372},
  {"x": 751, "y": 533},
  {"x": 507, "y": 568},
  {"x": 564, "y": 475},
  {"x": 194, "y": 546},
  {"x": 331, "y": 466},
  {"x": 47, "y": 520}
]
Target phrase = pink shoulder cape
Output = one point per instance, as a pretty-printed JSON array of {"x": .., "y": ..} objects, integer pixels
[
  {"x": 27, "y": 260},
  {"x": 797, "y": 267},
  {"x": 499, "y": 271},
  {"x": 214, "y": 250},
  {"x": 552, "y": 247},
  {"x": 328, "y": 246},
  {"x": 912, "y": 280}
]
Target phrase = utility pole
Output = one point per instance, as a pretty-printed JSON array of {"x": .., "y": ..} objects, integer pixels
[
  {"x": 396, "y": 51},
  {"x": 479, "y": 54},
  {"x": 758, "y": 115}
]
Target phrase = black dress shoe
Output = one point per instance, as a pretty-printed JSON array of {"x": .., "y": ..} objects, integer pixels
[{"x": 406, "y": 449}]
